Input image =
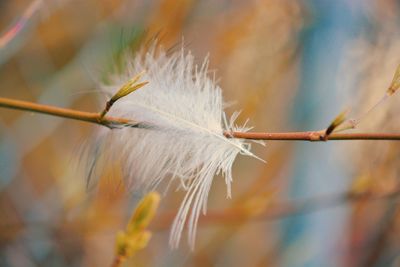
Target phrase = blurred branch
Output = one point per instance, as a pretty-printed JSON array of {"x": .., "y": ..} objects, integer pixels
[
  {"x": 8, "y": 39},
  {"x": 282, "y": 210},
  {"x": 272, "y": 211},
  {"x": 113, "y": 122},
  {"x": 379, "y": 243}
]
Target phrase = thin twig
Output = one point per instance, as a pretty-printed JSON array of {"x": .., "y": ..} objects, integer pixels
[
  {"x": 65, "y": 113},
  {"x": 379, "y": 243},
  {"x": 117, "y": 261},
  {"x": 280, "y": 211},
  {"x": 113, "y": 122},
  {"x": 274, "y": 211},
  {"x": 314, "y": 136}
]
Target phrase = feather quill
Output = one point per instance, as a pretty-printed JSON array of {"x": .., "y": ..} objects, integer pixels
[{"x": 186, "y": 141}]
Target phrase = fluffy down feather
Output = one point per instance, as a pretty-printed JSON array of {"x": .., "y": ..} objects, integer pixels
[{"x": 185, "y": 142}]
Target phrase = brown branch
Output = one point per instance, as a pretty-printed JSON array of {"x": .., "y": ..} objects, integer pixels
[
  {"x": 113, "y": 122},
  {"x": 314, "y": 136},
  {"x": 380, "y": 240},
  {"x": 117, "y": 261},
  {"x": 279, "y": 211},
  {"x": 65, "y": 113},
  {"x": 273, "y": 211}
]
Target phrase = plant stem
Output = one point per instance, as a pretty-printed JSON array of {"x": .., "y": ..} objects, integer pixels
[
  {"x": 315, "y": 136},
  {"x": 113, "y": 122},
  {"x": 64, "y": 112},
  {"x": 117, "y": 261},
  {"x": 280, "y": 211}
]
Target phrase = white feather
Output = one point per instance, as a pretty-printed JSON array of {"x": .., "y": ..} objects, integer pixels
[{"x": 186, "y": 141}]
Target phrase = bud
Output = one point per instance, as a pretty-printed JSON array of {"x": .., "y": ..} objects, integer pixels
[
  {"x": 144, "y": 213},
  {"x": 339, "y": 119},
  {"x": 129, "y": 87},
  {"x": 395, "y": 82},
  {"x": 125, "y": 90},
  {"x": 136, "y": 237}
]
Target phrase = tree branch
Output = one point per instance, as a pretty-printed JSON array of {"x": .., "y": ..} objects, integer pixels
[
  {"x": 113, "y": 122},
  {"x": 278, "y": 211}
]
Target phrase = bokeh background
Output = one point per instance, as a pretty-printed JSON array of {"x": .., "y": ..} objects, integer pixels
[{"x": 288, "y": 65}]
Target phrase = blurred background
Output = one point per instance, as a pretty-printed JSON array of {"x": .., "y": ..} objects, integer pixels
[{"x": 288, "y": 65}]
